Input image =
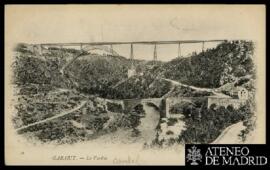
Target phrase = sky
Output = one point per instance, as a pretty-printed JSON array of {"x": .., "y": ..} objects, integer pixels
[{"x": 95, "y": 23}]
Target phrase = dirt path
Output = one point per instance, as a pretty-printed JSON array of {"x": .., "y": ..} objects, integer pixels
[
  {"x": 60, "y": 90},
  {"x": 230, "y": 134},
  {"x": 53, "y": 117},
  {"x": 120, "y": 82},
  {"x": 197, "y": 88},
  {"x": 192, "y": 87},
  {"x": 169, "y": 92}
]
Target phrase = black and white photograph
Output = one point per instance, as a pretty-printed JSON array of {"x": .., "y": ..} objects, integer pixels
[{"x": 131, "y": 84}]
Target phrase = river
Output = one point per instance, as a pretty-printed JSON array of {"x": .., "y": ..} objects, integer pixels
[{"x": 149, "y": 123}]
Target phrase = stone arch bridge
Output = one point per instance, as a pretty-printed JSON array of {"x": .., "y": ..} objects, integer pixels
[{"x": 158, "y": 103}]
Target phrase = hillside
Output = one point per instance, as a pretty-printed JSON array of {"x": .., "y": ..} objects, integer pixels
[
  {"x": 214, "y": 67},
  {"x": 74, "y": 104},
  {"x": 95, "y": 74},
  {"x": 102, "y": 75},
  {"x": 105, "y": 75}
]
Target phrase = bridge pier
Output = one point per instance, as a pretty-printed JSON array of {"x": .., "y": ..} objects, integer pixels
[
  {"x": 39, "y": 49},
  {"x": 179, "y": 49},
  {"x": 111, "y": 49},
  {"x": 81, "y": 47},
  {"x": 131, "y": 71},
  {"x": 167, "y": 108},
  {"x": 203, "y": 46},
  {"x": 131, "y": 56},
  {"x": 155, "y": 53}
]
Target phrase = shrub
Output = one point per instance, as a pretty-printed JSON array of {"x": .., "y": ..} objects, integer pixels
[
  {"x": 169, "y": 132},
  {"x": 212, "y": 123},
  {"x": 114, "y": 107},
  {"x": 171, "y": 121},
  {"x": 211, "y": 68}
]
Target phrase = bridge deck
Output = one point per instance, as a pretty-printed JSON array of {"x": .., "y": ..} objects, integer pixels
[{"x": 131, "y": 42}]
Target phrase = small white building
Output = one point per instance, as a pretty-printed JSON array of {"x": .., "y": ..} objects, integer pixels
[
  {"x": 240, "y": 93},
  {"x": 243, "y": 93},
  {"x": 131, "y": 72}
]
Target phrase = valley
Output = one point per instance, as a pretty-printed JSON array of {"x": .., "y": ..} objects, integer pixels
[{"x": 86, "y": 100}]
